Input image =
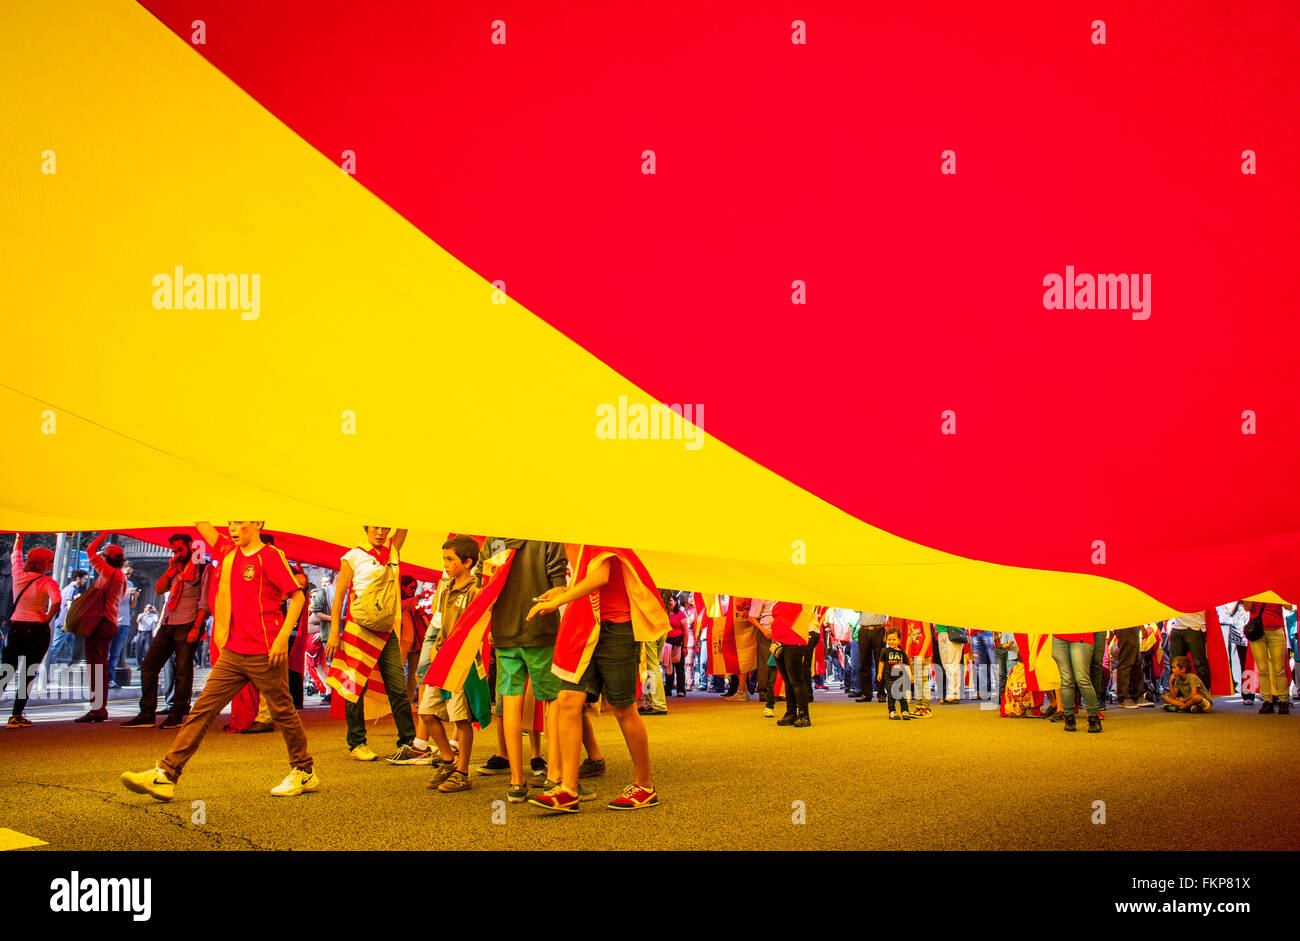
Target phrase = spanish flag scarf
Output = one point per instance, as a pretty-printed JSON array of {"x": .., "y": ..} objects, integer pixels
[
  {"x": 790, "y": 622},
  {"x": 719, "y": 618},
  {"x": 580, "y": 626},
  {"x": 352, "y": 672},
  {"x": 1041, "y": 671},
  {"x": 453, "y": 661}
]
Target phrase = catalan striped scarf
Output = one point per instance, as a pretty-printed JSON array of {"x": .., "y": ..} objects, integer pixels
[
  {"x": 453, "y": 661},
  {"x": 352, "y": 672},
  {"x": 580, "y": 627}
]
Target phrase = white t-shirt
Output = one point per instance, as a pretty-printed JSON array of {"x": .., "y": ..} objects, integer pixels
[
  {"x": 365, "y": 569},
  {"x": 1189, "y": 622}
]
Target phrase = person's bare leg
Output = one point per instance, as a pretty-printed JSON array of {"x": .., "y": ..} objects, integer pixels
[
  {"x": 568, "y": 709},
  {"x": 501, "y": 736},
  {"x": 465, "y": 739},
  {"x": 629, "y": 721},
  {"x": 436, "y": 734},
  {"x": 589, "y": 736},
  {"x": 553, "y": 758},
  {"x": 534, "y": 741},
  {"x": 512, "y": 723}
]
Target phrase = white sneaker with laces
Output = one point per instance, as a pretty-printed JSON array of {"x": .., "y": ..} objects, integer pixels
[{"x": 296, "y": 782}]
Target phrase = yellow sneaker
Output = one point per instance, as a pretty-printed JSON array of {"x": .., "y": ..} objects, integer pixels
[
  {"x": 295, "y": 783},
  {"x": 363, "y": 753},
  {"x": 154, "y": 782}
]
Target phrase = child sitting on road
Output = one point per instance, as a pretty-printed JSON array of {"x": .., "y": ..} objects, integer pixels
[{"x": 1187, "y": 693}]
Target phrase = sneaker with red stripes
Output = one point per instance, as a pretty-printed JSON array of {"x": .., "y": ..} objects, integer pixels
[
  {"x": 556, "y": 799},
  {"x": 634, "y": 797}
]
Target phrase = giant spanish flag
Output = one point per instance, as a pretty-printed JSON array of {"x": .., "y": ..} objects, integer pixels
[{"x": 1001, "y": 296}]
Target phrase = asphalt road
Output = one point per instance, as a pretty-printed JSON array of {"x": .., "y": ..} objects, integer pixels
[{"x": 727, "y": 777}]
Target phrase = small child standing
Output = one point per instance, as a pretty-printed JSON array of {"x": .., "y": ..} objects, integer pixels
[
  {"x": 1187, "y": 693},
  {"x": 894, "y": 658}
]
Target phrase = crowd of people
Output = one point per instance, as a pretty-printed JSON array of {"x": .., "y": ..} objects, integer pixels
[
  {"x": 424, "y": 652},
  {"x": 892, "y": 660}
]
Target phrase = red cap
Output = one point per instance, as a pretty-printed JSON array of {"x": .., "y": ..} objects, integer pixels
[
  {"x": 38, "y": 560},
  {"x": 114, "y": 552}
]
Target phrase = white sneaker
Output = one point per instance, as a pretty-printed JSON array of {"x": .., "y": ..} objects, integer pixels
[
  {"x": 153, "y": 782},
  {"x": 363, "y": 753},
  {"x": 295, "y": 783},
  {"x": 767, "y": 712}
]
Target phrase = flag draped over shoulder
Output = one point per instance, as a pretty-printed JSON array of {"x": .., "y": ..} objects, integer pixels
[
  {"x": 733, "y": 641},
  {"x": 452, "y": 663},
  {"x": 1151, "y": 642},
  {"x": 580, "y": 625},
  {"x": 727, "y": 653},
  {"x": 1041, "y": 671},
  {"x": 1216, "y": 654},
  {"x": 790, "y": 622},
  {"x": 352, "y": 672}
]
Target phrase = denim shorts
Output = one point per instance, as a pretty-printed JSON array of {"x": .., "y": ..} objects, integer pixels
[{"x": 614, "y": 668}]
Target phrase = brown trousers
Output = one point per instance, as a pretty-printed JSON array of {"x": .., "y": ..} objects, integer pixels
[{"x": 229, "y": 675}]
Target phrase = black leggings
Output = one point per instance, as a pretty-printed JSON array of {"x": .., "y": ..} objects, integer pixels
[
  {"x": 28, "y": 639},
  {"x": 676, "y": 671}
]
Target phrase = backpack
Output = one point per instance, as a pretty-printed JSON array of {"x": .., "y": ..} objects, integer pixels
[{"x": 85, "y": 611}]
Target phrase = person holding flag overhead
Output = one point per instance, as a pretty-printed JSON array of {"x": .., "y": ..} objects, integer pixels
[
  {"x": 253, "y": 634},
  {"x": 795, "y": 628},
  {"x": 369, "y": 643},
  {"x": 616, "y": 607}
]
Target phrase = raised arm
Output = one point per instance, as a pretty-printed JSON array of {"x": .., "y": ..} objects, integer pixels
[{"x": 207, "y": 532}]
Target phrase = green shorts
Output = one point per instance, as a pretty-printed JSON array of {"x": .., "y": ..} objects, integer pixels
[{"x": 516, "y": 663}]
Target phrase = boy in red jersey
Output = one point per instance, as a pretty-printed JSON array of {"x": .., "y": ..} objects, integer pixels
[{"x": 253, "y": 635}]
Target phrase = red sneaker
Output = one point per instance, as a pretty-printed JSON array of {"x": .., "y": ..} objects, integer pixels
[
  {"x": 556, "y": 799},
  {"x": 634, "y": 798}
]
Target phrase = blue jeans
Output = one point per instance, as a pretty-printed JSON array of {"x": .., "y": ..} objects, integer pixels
[
  {"x": 1096, "y": 672},
  {"x": 393, "y": 673},
  {"x": 985, "y": 660},
  {"x": 1074, "y": 660},
  {"x": 851, "y": 671},
  {"x": 115, "y": 650},
  {"x": 62, "y": 642}
]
